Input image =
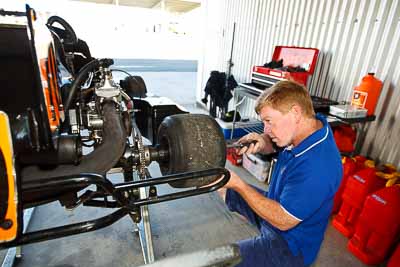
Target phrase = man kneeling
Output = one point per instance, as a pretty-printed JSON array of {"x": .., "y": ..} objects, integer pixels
[{"x": 293, "y": 215}]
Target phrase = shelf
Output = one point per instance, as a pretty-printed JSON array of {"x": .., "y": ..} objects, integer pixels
[{"x": 250, "y": 128}]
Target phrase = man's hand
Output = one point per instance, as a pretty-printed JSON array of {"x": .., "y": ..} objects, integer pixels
[
  {"x": 234, "y": 182},
  {"x": 258, "y": 143}
]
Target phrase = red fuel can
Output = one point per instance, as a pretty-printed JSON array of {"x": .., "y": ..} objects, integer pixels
[
  {"x": 360, "y": 162},
  {"x": 395, "y": 258},
  {"x": 378, "y": 226},
  {"x": 357, "y": 188},
  {"x": 349, "y": 167}
]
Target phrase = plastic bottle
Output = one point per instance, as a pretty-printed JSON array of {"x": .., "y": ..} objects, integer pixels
[{"x": 366, "y": 95}]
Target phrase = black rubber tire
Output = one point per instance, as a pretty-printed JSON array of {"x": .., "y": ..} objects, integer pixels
[
  {"x": 194, "y": 142},
  {"x": 134, "y": 86},
  {"x": 141, "y": 84}
]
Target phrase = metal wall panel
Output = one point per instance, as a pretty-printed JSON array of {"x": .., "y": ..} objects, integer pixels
[{"x": 354, "y": 37}]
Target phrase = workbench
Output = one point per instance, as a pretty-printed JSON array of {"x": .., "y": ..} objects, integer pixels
[{"x": 246, "y": 94}]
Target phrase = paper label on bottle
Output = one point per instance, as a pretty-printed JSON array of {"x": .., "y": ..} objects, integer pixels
[{"x": 359, "y": 98}]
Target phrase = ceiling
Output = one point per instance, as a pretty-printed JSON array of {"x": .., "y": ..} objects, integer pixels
[{"x": 178, "y": 6}]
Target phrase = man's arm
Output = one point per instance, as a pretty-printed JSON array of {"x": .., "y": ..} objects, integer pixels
[
  {"x": 263, "y": 144},
  {"x": 266, "y": 208}
]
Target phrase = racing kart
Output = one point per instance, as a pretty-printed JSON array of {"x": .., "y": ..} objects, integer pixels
[{"x": 65, "y": 124}]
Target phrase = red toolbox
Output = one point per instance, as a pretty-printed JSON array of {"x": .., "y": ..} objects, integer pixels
[
  {"x": 378, "y": 226},
  {"x": 292, "y": 56},
  {"x": 234, "y": 157}
]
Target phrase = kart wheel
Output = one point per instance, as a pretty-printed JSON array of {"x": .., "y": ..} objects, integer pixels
[
  {"x": 140, "y": 84},
  {"x": 194, "y": 142},
  {"x": 134, "y": 86}
]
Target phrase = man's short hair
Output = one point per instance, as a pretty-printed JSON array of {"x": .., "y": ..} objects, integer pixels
[{"x": 283, "y": 95}]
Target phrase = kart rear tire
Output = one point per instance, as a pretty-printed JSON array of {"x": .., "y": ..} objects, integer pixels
[
  {"x": 134, "y": 86},
  {"x": 194, "y": 142},
  {"x": 141, "y": 85}
]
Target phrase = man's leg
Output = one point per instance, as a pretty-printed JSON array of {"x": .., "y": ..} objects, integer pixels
[
  {"x": 237, "y": 204},
  {"x": 267, "y": 250}
]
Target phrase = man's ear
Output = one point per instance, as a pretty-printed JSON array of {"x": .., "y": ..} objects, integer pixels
[{"x": 297, "y": 112}]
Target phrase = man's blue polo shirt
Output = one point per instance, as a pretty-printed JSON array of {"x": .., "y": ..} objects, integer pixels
[{"x": 304, "y": 182}]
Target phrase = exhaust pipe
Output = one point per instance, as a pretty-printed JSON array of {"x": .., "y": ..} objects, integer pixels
[{"x": 102, "y": 159}]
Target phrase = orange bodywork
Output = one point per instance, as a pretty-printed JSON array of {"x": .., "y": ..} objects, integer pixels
[
  {"x": 7, "y": 150},
  {"x": 50, "y": 89}
]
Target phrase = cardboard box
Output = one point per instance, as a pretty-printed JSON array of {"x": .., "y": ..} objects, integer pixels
[{"x": 257, "y": 166}]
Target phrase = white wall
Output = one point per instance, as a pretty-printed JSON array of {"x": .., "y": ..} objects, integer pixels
[
  {"x": 123, "y": 32},
  {"x": 354, "y": 36},
  {"x": 210, "y": 36}
]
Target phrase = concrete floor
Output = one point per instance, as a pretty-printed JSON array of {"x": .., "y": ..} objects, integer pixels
[{"x": 178, "y": 227}]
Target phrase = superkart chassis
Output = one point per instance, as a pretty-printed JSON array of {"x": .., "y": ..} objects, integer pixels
[
  {"x": 119, "y": 192},
  {"x": 39, "y": 134}
]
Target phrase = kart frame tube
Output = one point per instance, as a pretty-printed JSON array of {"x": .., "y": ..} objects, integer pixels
[{"x": 117, "y": 192}]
